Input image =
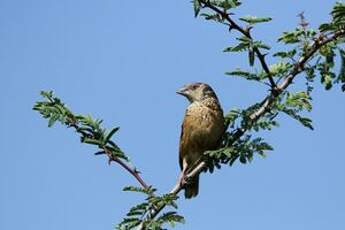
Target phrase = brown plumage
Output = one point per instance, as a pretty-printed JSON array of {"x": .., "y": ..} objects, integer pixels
[{"x": 202, "y": 129}]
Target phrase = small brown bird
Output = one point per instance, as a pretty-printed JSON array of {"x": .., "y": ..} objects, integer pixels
[{"x": 202, "y": 129}]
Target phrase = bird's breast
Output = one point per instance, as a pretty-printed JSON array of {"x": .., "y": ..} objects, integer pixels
[
  {"x": 206, "y": 125},
  {"x": 202, "y": 129}
]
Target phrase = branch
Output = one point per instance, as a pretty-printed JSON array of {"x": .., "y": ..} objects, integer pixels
[
  {"x": 245, "y": 32},
  {"x": 135, "y": 173},
  {"x": 130, "y": 169},
  {"x": 90, "y": 131},
  {"x": 263, "y": 109}
]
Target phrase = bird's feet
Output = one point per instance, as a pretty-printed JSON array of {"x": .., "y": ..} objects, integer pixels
[{"x": 185, "y": 180}]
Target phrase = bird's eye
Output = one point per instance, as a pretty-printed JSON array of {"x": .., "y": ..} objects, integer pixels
[{"x": 195, "y": 86}]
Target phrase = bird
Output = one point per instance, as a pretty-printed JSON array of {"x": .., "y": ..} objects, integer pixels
[{"x": 202, "y": 130}]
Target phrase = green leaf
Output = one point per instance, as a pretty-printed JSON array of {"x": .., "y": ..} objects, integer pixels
[
  {"x": 251, "y": 56},
  {"x": 291, "y": 37},
  {"x": 225, "y": 4},
  {"x": 327, "y": 27},
  {"x": 327, "y": 75},
  {"x": 231, "y": 116},
  {"x": 52, "y": 120},
  {"x": 279, "y": 68},
  {"x": 261, "y": 45},
  {"x": 294, "y": 104},
  {"x": 166, "y": 199},
  {"x": 327, "y": 51},
  {"x": 128, "y": 223},
  {"x": 92, "y": 141},
  {"x": 243, "y": 159},
  {"x": 111, "y": 133},
  {"x": 342, "y": 69},
  {"x": 245, "y": 74},
  {"x": 253, "y": 19},
  {"x": 139, "y": 209},
  {"x": 214, "y": 17},
  {"x": 197, "y": 7},
  {"x": 147, "y": 191},
  {"x": 326, "y": 80},
  {"x": 244, "y": 44},
  {"x": 338, "y": 13},
  {"x": 285, "y": 54},
  {"x": 232, "y": 160},
  {"x": 47, "y": 94},
  {"x": 265, "y": 123},
  {"x": 172, "y": 218},
  {"x": 341, "y": 75},
  {"x": 239, "y": 48},
  {"x": 307, "y": 122},
  {"x": 300, "y": 100}
]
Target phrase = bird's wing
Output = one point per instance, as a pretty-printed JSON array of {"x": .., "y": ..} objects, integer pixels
[
  {"x": 202, "y": 129},
  {"x": 191, "y": 124},
  {"x": 185, "y": 131}
]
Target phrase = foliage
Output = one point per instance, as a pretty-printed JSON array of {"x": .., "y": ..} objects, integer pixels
[
  {"x": 140, "y": 213},
  {"x": 243, "y": 150},
  {"x": 90, "y": 130},
  {"x": 312, "y": 52},
  {"x": 253, "y": 19},
  {"x": 293, "y": 104}
]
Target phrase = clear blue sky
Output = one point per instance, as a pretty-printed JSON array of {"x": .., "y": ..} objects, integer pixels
[{"x": 122, "y": 61}]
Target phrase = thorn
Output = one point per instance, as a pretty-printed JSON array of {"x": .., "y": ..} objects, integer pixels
[
  {"x": 100, "y": 153},
  {"x": 231, "y": 27},
  {"x": 249, "y": 28},
  {"x": 264, "y": 54}
]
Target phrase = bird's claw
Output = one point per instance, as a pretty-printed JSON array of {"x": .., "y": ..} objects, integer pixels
[{"x": 185, "y": 180}]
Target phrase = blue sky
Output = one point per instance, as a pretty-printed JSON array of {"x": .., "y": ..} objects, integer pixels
[{"x": 122, "y": 61}]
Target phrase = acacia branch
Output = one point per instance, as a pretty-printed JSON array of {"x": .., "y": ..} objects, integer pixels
[
  {"x": 262, "y": 110},
  {"x": 245, "y": 32},
  {"x": 130, "y": 169},
  {"x": 135, "y": 173}
]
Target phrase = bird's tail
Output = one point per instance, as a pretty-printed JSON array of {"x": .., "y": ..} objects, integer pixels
[{"x": 192, "y": 188}]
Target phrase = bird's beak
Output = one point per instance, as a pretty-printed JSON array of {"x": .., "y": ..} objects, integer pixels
[{"x": 182, "y": 91}]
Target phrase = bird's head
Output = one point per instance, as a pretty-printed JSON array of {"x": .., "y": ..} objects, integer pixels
[{"x": 196, "y": 92}]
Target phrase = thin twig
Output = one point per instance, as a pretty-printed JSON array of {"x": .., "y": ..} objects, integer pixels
[
  {"x": 245, "y": 32},
  {"x": 128, "y": 168},
  {"x": 105, "y": 150}
]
